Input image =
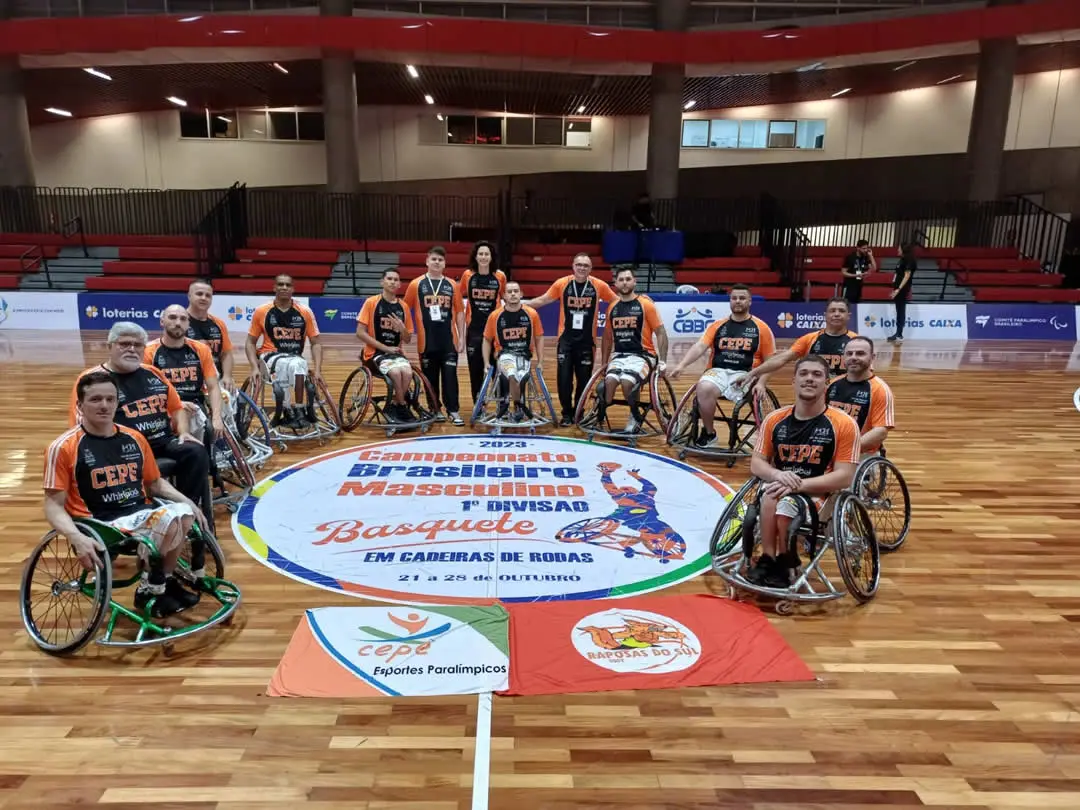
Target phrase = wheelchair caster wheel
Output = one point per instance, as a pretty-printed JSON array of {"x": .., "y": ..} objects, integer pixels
[
  {"x": 424, "y": 429},
  {"x": 682, "y": 455},
  {"x": 785, "y": 608},
  {"x": 390, "y": 433},
  {"x": 282, "y": 447},
  {"x": 168, "y": 650},
  {"x": 232, "y": 508},
  {"x": 732, "y": 594}
]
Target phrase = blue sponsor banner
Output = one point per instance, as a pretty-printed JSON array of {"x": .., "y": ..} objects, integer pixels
[
  {"x": 337, "y": 315},
  {"x": 100, "y": 310},
  {"x": 1021, "y": 322}
]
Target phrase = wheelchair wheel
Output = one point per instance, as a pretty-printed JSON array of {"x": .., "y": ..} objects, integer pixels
[
  {"x": 664, "y": 401},
  {"x": 355, "y": 399},
  {"x": 324, "y": 404},
  {"x": 232, "y": 464},
  {"x": 727, "y": 537},
  {"x": 857, "y": 554},
  {"x": 57, "y": 589},
  {"x": 764, "y": 404},
  {"x": 214, "y": 559},
  {"x": 883, "y": 490},
  {"x": 681, "y": 429},
  {"x": 587, "y": 416}
]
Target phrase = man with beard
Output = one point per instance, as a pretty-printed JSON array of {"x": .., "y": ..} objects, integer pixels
[
  {"x": 806, "y": 448},
  {"x": 736, "y": 345},
  {"x": 827, "y": 343},
  {"x": 482, "y": 287},
  {"x": 863, "y": 396},
  {"x": 514, "y": 336},
  {"x": 211, "y": 330},
  {"x": 148, "y": 403},
  {"x": 384, "y": 325},
  {"x": 189, "y": 365},
  {"x": 632, "y": 323}
]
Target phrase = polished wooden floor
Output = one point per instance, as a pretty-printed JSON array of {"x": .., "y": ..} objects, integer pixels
[{"x": 958, "y": 686}]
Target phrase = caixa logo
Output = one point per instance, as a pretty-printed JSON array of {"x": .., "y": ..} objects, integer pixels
[{"x": 692, "y": 321}]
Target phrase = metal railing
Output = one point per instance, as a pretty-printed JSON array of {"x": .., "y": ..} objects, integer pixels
[
  {"x": 34, "y": 258},
  {"x": 221, "y": 232},
  {"x": 75, "y": 226}
]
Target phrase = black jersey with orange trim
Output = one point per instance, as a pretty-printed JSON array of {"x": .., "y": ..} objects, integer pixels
[
  {"x": 284, "y": 331},
  {"x": 738, "y": 345},
  {"x": 377, "y": 315},
  {"x": 869, "y": 402},
  {"x": 829, "y": 347},
  {"x": 483, "y": 295},
  {"x": 213, "y": 333},
  {"x": 513, "y": 332},
  {"x": 808, "y": 447},
  {"x": 145, "y": 402},
  {"x": 103, "y": 477},
  {"x": 632, "y": 324},
  {"x": 425, "y": 296},
  {"x": 579, "y": 301},
  {"x": 187, "y": 367}
]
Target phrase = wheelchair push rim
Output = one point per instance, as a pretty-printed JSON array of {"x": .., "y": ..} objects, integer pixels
[
  {"x": 726, "y": 541},
  {"x": 537, "y": 399},
  {"x": 883, "y": 491},
  {"x": 354, "y": 406},
  {"x": 857, "y": 553}
]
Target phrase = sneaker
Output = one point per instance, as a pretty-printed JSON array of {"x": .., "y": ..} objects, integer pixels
[
  {"x": 778, "y": 576},
  {"x": 757, "y": 572},
  {"x": 164, "y": 604},
  {"x": 440, "y": 417},
  {"x": 502, "y": 410},
  {"x": 566, "y": 421},
  {"x": 705, "y": 440},
  {"x": 455, "y": 417},
  {"x": 183, "y": 597}
]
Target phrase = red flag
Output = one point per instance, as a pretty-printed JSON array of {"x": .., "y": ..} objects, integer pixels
[{"x": 661, "y": 642}]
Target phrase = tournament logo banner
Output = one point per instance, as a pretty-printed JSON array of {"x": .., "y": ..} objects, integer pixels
[
  {"x": 664, "y": 642},
  {"x": 473, "y": 519},
  {"x": 345, "y": 652}
]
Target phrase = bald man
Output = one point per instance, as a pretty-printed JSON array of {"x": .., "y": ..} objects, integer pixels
[{"x": 189, "y": 365}]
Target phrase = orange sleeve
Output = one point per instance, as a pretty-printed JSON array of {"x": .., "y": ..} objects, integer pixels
[
  {"x": 490, "y": 326},
  {"x": 652, "y": 314},
  {"x": 151, "y": 473},
  {"x": 60, "y": 461},
  {"x": 605, "y": 292},
  {"x": 309, "y": 321},
  {"x": 226, "y": 341},
  {"x": 258, "y": 319},
  {"x": 764, "y": 446},
  {"x": 555, "y": 291},
  {"x": 148, "y": 352},
  {"x": 534, "y": 318},
  {"x": 459, "y": 302},
  {"x": 766, "y": 343},
  {"x": 408, "y": 319},
  {"x": 367, "y": 314},
  {"x": 881, "y": 405},
  {"x": 710, "y": 333},
  {"x": 848, "y": 447},
  {"x": 801, "y": 347},
  {"x": 206, "y": 359},
  {"x": 463, "y": 285},
  {"x": 411, "y": 294},
  {"x": 501, "y": 276},
  {"x": 173, "y": 404}
]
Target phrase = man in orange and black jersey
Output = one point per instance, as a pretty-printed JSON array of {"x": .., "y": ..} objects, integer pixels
[
  {"x": 579, "y": 296},
  {"x": 101, "y": 470},
  {"x": 806, "y": 448},
  {"x": 384, "y": 325},
  {"x": 632, "y": 323},
  {"x": 735, "y": 345},
  {"x": 189, "y": 366},
  {"x": 482, "y": 288},
  {"x": 439, "y": 315},
  {"x": 828, "y": 343},
  {"x": 148, "y": 403},
  {"x": 211, "y": 330},
  {"x": 863, "y": 396},
  {"x": 514, "y": 336},
  {"x": 275, "y": 350}
]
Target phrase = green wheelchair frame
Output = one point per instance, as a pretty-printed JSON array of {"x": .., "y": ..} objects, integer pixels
[{"x": 98, "y": 586}]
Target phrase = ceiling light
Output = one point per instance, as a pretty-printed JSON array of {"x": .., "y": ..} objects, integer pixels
[
  {"x": 689, "y": 104},
  {"x": 841, "y": 92},
  {"x": 957, "y": 76},
  {"x": 581, "y": 109},
  {"x": 223, "y": 118},
  {"x": 190, "y": 19},
  {"x": 279, "y": 67},
  {"x": 56, "y": 111},
  {"x": 179, "y": 102},
  {"x": 439, "y": 116},
  {"x": 98, "y": 73},
  {"x": 429, "y": 99},
  {"x": 906, "y": 64},
  {"x": 808, "y": 68},
  {"x": 231, "y": 31},
  {"x": 413, "y": 71}
]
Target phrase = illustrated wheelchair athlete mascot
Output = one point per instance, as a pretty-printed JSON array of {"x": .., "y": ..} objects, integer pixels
[{"x": 360, "y": 406}]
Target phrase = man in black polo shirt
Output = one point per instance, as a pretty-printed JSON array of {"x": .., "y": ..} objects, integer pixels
[
  {"x": 905, "y": 270},
  {"x": 855, "y": 268}
]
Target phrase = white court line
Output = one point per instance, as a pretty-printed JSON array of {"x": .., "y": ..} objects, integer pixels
[
  {"x": 482, "y": 752},
  {"x": 1076, "y": 398}
]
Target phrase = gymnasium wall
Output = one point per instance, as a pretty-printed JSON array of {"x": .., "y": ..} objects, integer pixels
[{"x": 146, "y": 151}]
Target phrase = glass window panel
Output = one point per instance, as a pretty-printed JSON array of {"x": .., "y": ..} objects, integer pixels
[
  {"x": 579, "y": 132},
  {"x": 753, "y": 134},
  {"x": 223, "y": 124},
  {"x": 310, "y": 126},
  {"x": 194, "y": 124},
  {"x": 253, "y": 124},
  {"x": 519, "y": 131},
  {"x": 283, "y": 126},
  {"x": 461, "y": 129},
  {"x": 811, "y": 135},
  {"x": 695, "y": 132},
  {"x": 549, "y": 132},
  {"x": 724, "y": 134},
  {"x": 432, "y": 128},
  {"x": 489, "y": 131},
  {"x": 781, "y": 134}
]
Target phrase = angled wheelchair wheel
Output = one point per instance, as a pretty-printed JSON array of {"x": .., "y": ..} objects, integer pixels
[
  {"x": 62, "y": 603},
  {"x": 480, "y": 406},
  {"x": 327, "y": 408},
  {"x": 727, "y": 536},
  {"x": 232, "y": 461},
  {"x": 764, "y": 404},
  {"x": 587, "y": 416},
  {"x": 664, "y": 402},
  {"x": 355, "y": 399},
  {"x": 682, "y": 427},
  {"x": 542, "y": 394},
  {"x": 857, "y": 554},
  {"x": 883, "y": 490}
]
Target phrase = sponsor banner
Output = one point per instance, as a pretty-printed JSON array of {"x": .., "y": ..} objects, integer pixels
[
  {"x": 923, "y": 321},
  {"x": 54, "y": 347},
  {"x": 469, "y": 519},
  {"x": 348, "y": 652},
  {"x": 100, "y": 310},
  {"x": 690, "y": 318},
  {"x": 665, "y": 642},
  {"x": 1021, "y": 322},
  {"x": 791, "y": 319},
  {"x": 39, "y": 310},
  {"x": 337, "y": 315}
]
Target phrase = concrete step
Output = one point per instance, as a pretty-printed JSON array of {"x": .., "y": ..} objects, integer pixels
[{"x": 95, "y": 253}]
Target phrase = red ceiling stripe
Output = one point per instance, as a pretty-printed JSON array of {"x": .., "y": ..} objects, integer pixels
[{"x": 568, "y": 43}]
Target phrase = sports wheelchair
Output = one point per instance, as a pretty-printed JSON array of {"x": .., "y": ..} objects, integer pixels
[
  {"x": 847, "y": 531},
  {"x": 357, "y": 399},
  {"x": 55, "y": 584},
  {"x": 656, "y": 408},
  {"x": 884, "y": 492},
  {"x": 327, "y": 420},
  {"x": 495, "y": 393},
  {"x": 241, "y": 451},
  {"x": 743, "y": 423}
]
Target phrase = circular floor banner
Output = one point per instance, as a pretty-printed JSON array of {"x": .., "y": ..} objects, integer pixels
[{"x": 470, "y": 519}]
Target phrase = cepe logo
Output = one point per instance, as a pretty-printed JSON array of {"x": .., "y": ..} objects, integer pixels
[{"x": 390, "y": 645}]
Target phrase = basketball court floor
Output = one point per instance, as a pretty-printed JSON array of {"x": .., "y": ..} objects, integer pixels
[{"x": 957, "y": 686}]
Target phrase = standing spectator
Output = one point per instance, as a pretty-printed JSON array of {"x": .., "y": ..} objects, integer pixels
[
  {"x": 855, "y": 267},
  {"x": 905, "y": 270}
]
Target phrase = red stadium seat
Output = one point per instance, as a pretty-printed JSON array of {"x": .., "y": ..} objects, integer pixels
[
  {"x": 9, "y": 281},
  {"x": 141, "y": 268},
  {"x": 287, "y": 256},
  {"x": 163, "y": 283},
  {"x": 1033, "y": 295},
  {"x": 1010, "y": 279},
  {"x": 269, "y": 271},
  {"x": 156, "y": 253}
]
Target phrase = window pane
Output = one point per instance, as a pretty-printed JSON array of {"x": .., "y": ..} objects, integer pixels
[
  {"x": 432, "y": 128},
  {"x": 695, "y": 132},
  {"x": 753, "y": 134},
  {"x": 489, "y": 131},
  {"x": 579, "y": 132},
  {"x": 310, "y": 126},
  {"x": 461, "y": 129},
  {"x": 724, "y": 134},
  {"x": 811, "y": 135},
  {"x": 781, "y": 134},
  {"x": 223, "y": 124},
  {"x": 549, "y": 132},
  {"x": 519, "y": 131},
  {"x": 253, "y": 125},
  {"x": 283, "y": 126},
  {"x": 193, "y": 124}
]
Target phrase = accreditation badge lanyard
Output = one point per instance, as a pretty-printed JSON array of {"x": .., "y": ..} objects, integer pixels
[
  {"x": 577, "y": 317},
  {"x": 435, "y": 310}
]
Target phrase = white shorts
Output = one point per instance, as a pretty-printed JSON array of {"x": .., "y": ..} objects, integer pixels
[
  {"x": 154, "y": 521},
  {"x": 285, "y": 368},
  {"x": 386, "y": 363},
  {"x": 790, "y": 506},
  {"x": 197, "y": 421},
  {"x": 724, "y": 380},
  {"x": 630, "y": 367},
  {"x": 513, "y": 366}
]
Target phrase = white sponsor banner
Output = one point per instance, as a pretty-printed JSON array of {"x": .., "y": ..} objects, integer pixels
[
  {"x": 690, "y": 319},
  {"x": 236, "y": 310},
  {"x": 57, "y": 348},
  {"x": 923, "y": 321},
  {"x": 1076, "y": 320},
  {"x": 943, "y": 357},
  {"x": 39, "y": 310}
]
